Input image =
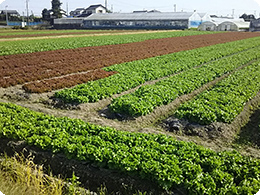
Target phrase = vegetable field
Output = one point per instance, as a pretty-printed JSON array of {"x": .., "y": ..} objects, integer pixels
[{"x": 173, "y": 108}]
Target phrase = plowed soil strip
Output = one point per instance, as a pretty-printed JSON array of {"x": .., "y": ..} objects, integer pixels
[
  {"x": 66, "y": 81},
  {"x": 22, "y": 68}
]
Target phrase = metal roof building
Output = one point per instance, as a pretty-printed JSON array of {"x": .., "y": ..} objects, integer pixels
[
  {"x": 68, "y": 23},
  {"x": 146, "y": 20}
]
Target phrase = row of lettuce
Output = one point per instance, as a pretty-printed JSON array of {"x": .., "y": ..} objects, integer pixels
[
  {"x": 225, "y": 100},
  {"x": 133, "y": 74},
  {"x": 216, "y": 61},
  {"x": 145, "y": 99},
  {"x": 41, "y": 32},
  {"x": 172, "y": 164},
  {"x": 28, "y": 46}
]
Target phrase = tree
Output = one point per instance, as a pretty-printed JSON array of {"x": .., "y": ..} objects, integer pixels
[
  {"x": 45, "y": 14},
  {"x": 56, "y": 8},
  {"x": 248, "y": 18}
]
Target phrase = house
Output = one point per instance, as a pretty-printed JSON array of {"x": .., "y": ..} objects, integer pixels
[
  {"x": 10, "y": 12},
  {"x": 77, "y": 12},
  {"x": 93, "y": 9},
  {"x": 143, "y": 20}
]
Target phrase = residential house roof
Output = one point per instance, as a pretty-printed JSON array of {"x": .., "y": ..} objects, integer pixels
[
  {"x": 10, "y": 12},
  {"x": 93, "y": 7}
]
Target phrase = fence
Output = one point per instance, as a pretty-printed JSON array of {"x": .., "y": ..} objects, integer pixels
[{"x": 20, "y": 23}]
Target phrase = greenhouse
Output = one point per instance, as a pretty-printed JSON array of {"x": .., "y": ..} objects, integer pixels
[
  {"x": 146, "y": 20},
  {"x": 233, "y": 26},
  {"x": 208, "y": 26}
]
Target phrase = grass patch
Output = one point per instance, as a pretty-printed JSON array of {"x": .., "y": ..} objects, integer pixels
[{"x": 19, "y": 175}]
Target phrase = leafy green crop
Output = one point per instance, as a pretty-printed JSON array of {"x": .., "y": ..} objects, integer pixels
[
  {"x": 170, "y": 163},
  {"x": 133, "y": 74},
  {"x": 29, "y": 46},
  {"x": 41, "y": 32},
  {"x": 225, "y": 100},
  {"x": 145, "y": 99}
]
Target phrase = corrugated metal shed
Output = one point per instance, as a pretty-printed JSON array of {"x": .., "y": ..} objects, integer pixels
[{"x": 142, "y": 16}]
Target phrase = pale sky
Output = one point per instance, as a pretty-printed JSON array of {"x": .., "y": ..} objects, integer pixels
[{"x": 217, "y": 7}]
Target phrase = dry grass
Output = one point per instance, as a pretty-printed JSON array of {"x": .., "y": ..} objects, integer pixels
[{"x": 21, "y": 176}]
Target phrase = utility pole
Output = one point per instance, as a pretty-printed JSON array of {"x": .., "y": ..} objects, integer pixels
[
  {"x": 233, "y": 13},
  {"x": 174, "y": 7},
  {"x": 6, "y": 15},
  {"x": 27, "y": 9},
  {"x": 23, "y": 20},
  {"x": 106, "y": 4},
  {"x": 67, "y": 9}
]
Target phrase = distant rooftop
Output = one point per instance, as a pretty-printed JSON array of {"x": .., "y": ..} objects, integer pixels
[{"x": 141, "y": 16}]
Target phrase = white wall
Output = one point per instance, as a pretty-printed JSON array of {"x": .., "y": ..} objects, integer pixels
[
  {"x": 194, "y": 20},
  {"x": 100, "y": 10}
]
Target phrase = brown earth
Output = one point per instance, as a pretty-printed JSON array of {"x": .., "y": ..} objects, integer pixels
[{"x": 22, "y": 68}]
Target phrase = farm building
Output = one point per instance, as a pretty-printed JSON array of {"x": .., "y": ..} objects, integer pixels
[
  {"x": 233, "y": 26},
  {"x": 255, "y": 25},
  {"x": 205, "y": 17},
  {"x": 208, "y": 26},
  {"x": 146, "y": 20},
  {"x": 68, "y": 23}
]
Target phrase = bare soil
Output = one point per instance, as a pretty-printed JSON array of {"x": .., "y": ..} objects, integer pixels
[{"x": 22, "y": 68}]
